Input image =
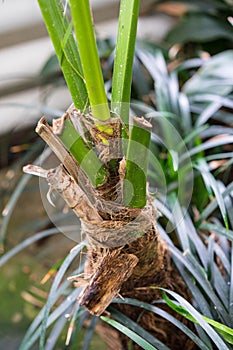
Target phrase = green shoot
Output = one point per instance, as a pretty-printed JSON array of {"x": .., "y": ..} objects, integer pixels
[
  {"x": 66, "y": 50},
  {"x": 85, "y": 157},
  {"x": 225, "y": 331},
  {"x": 137, "y": 164},
  {"x": 83, "y": 26},
  {"x": 123, "y": 65}
]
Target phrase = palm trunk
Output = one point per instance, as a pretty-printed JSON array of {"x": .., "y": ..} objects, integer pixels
[
  {"x": 126, "y": 255},
  {"x": 147, "y": 261}
]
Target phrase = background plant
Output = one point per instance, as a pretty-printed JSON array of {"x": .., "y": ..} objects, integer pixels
[{"x": 201, "y": 26}]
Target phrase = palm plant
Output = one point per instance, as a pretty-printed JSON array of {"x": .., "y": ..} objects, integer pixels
[{"x": 183, "y": 140}]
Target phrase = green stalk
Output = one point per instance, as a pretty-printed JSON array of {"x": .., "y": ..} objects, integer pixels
[
  {"x": 66, "y": 50},
  {"x": 137, "y": 163},
  {"x": 123, "y": 65},
  {"x": 88, "y": 160},
  {"x": 83, "y": 26}
]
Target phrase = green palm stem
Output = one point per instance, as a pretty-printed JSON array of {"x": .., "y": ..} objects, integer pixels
[
  {"x": 83, "y": 26},
  {"x": 135, "y": 193},
  {"x": 86, "y": 157},
  {"x": 60, "y": 32},
  {"x": 123, "y": 64}
]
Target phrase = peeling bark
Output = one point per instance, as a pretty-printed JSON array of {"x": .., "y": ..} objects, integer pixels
[{"x": 107, "y": 281}]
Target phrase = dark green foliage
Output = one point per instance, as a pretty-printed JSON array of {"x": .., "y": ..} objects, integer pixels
[{"x": 205, "y": 25}]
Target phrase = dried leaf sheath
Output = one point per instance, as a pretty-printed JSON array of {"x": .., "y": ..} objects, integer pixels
[
  {"x": 60, "y": 181},
  {"x": 46, "y": 133}
]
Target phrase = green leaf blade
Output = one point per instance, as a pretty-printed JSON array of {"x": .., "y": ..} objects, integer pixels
[
  {"x": 83, "y": 26},
  {"x": 226, "y": 332},
  {"x": 66, "y": 49},
  {"x": 137, "y": 156},
  {"x": 132, "y": 335},
  {"x": 123, "y": 65}
]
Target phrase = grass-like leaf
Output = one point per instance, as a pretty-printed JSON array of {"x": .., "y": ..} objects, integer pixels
[
  {"x": 179, "y": 222},
  {"x": 211, "y": 77},
  {"x": 231, "y": 289},
  {"x": 197, "y": 272},
  {"x": 215, "y": 276},
  {"x": 118, "y": 316},
  {"x": 190, "y": 64},
  {"x": 216, "y": 130},
  {"x": 36, "y": 237},
  {"x": 166, "y": 316},
  {"x": 64, "y": 307},
  {"x": 212, "y": 143},
  {"x": 188, "y": 311},
  {"x": 33, "y": 332},
  {"x": 218, "y": 229},
  {"x": 55, "y": 333},
  {"x": 9, "y": 208},
  {"x": 226, "y": 332},
  {"x": 65, "y": 265},
  {"x": 213, "y": 205},
  {"x": 197, "y": 245},
  {"x": 52, "y": 271},
  {"x": 208, "y": 98},
  {"x": 212, "y": 185},
  {"x": 223, "y": 258},
  {"x": 208, "y": 112},
  {"x": 132, "y": 335},
  {"x": 89, "y": 333}
]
